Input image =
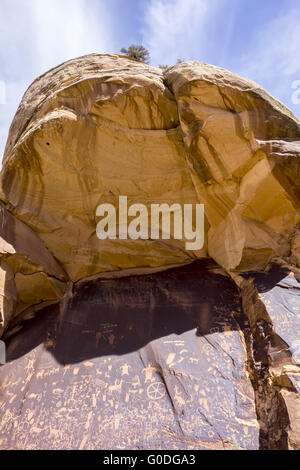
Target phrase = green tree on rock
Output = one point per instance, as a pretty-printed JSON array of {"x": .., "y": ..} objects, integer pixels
[{"x": 139, "y": 53}]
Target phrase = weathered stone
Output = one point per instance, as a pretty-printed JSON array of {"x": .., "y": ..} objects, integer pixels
[
  {"x": 243, "y": 150},
  {"x": 30, "y": 273},
  {"x": 205, "y": 356},
  {"x": 151, "y": 362},
  {"x": 100, "y": 126},
  {"x": 278, "y": 350},
  {"x": 86, "y": 132}
]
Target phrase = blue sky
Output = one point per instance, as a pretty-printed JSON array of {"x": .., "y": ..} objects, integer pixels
[{"x": 259, "y": 39}]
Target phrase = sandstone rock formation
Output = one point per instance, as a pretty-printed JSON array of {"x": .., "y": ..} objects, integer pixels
[{"x": 118, "y": 339}]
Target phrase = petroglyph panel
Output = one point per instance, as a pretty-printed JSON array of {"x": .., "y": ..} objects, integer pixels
[{"x": 146, "y": 362}]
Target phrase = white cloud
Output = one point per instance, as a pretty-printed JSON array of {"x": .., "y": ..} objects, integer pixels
[
  {"x": 174, "y": 28},
  {"x": 273, "y": 56},
  {"x": 36, "y": 35},
  {"x": 69, "y": 28},
  {"x": 205, "y": 29}
]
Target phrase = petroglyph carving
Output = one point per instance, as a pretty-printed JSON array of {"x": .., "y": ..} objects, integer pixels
[
  {"x": 117, "y": 387},
  {"x": 156, "y": 391},
  {"x": 149, "y": 371}
]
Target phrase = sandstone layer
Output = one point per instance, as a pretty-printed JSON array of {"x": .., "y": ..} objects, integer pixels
[{"x": 98, "y": 316}]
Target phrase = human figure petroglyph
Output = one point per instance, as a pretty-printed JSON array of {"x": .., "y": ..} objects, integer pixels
[
  {"x": 136, "y": 382},
  {"x": 149, "y": 371},
  {"x": 125, "y": 369}
]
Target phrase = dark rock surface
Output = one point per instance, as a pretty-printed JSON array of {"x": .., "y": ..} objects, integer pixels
[
  {"x": 144, "y": 362},
  {"x": 173, "y": 360},
  {"x": 276, "y": 354}
]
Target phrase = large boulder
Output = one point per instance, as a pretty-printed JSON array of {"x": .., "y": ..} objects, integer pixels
[{"x": 205, "y": 340}]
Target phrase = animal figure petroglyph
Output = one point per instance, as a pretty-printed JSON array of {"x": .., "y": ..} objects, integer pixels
[
  {"x": 178, "y": 396},
  {"x": 117, "y": 387}
]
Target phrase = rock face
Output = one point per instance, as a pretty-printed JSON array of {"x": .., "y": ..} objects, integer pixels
[
  {"x": 129, "y": 376},
  {"x": 111, "y": 344}
]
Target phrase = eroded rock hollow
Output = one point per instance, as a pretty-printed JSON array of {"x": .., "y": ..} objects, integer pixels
[{"x": 143, "y": 344}]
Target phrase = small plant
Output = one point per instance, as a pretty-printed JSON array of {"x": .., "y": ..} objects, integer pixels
[
  {"x": 139, "y": 53},
  {"x": 164, "y": 66}
]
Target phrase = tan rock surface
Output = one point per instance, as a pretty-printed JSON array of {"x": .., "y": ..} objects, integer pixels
[
  {"x": 94, "y": 129},
  {"x": 29, "y": 273},
  {"x": 102, "y": 126},
  {"x": 243, "y": 149}
]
